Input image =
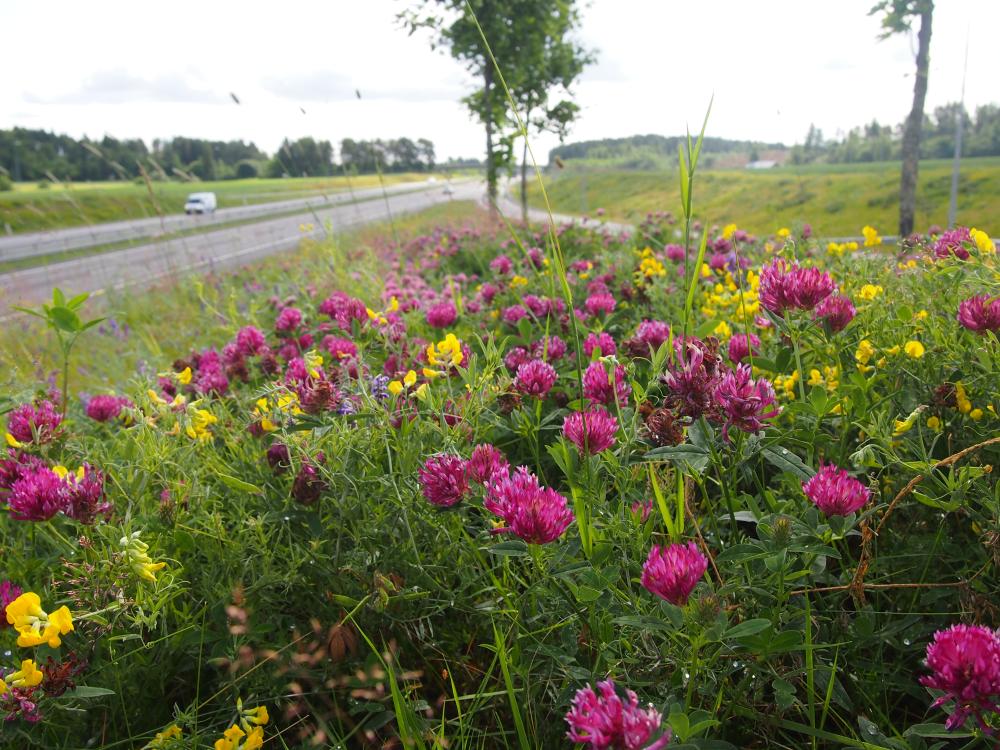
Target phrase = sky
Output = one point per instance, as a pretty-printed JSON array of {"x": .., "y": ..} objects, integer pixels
[{"x": 159, "y": 69}]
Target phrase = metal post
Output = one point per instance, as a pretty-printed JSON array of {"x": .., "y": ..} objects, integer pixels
[{"x": 953, "y": 199}]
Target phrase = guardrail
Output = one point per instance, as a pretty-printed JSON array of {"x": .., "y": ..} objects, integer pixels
[{"x": 33, "y": 244}]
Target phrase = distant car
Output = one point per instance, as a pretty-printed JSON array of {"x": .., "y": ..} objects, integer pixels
[
  {"x": 449, "y": 190},
  {"x": 200, "y": 203}
]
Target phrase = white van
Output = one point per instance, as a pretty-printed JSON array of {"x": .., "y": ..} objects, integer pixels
[{"x": 200, "y": 203}]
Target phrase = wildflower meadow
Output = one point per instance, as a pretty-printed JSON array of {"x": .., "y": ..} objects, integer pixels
[{"x": 483, "y": 485}]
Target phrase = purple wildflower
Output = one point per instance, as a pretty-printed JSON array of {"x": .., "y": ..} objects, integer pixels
[
  {"x": 486, "y": 463},
  {"x": 444, "y": 480},
  {"x": 535, "y": 378},
  {"x": 836, "y": 311},
  {"x": 834, "y": 492},
  {"x": 787, "y": 286},
  {"x": 602, "y": 341},
  {"x": 288, "y": 320},
  {"x": 598, "y": 304},
  {"x": 441, "y": 315},
  {"x": 513, "y": 314},
  {"x": 672, "y": 572},
  {"x": 692, "y": 382},
  {"x": 29, "y": 421},
  {"x": 603, "y": 388},
  {"x": 85, "y": 499},
  {"x": 965, "y": 660},
  {"x": 745, "y": 402},
  {"x": 536, "y": 514},
  {"x": 592, "y": 431},
  {"x": 740, "y": 346},
  {"x": 980, "y": 313},
  {"x": 104, "y": 408},
  {"x": 953, "y": 242},
  {"x": 38, "y": 495},
  {"x": 250, "y": 341},
  {"x": 604, "y": 721}
]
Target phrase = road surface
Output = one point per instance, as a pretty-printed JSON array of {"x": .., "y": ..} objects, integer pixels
[
  {"x": 213, "y": 250},
  {"x": 17, "y": 246}
]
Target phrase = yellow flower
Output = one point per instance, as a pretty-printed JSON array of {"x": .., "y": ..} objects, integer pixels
[
  {"x": 976, "y": 414},
  {"x": 870, "y": 291},
  {"x": 34, "y": 625},
  {"x": 409, "y": 379},
  {"x": 982, "y": 240},
  {"x": 13, "y": 442},
  {"x": 200, "y": 422},
  {"x": 313, "y": 362},
  {"x": 871, "y": 236},
  {"x": 722, "y": 330},
  {"x": 164, "y": 739},
  {"x": 394, "y": 387},
  {"x": 184, "y": 376},
  {"x": 834, "y": 248},
  {"x": 141, "y": 563},
  {"x": 933, "y": 423},
  {"x": 517, "y": 281},
  {"x": 815, "y": 378},
  {"x": 28, "y": 676},
  {"x": 728, "y": 231},
  {"x": 446, "y": 353},
  {"x": 864, "y": 352},
  {"x": 784, "y": 232},
  {"x": 651, "y": 267},
  {"x": 421, "y": 392},
  {"x": 706, "y": 270},
  {"x": 905, "y": 425},
  {"x": 962, "y": 399},
  {"x": 914, "y": 349},
  {"x": 921, "y": 315},
  {"x": 230, "y": 739},
  {"x": 252, "y": 716}
]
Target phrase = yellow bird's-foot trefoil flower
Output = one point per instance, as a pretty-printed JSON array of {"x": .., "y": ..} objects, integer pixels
[
  {"x": 141, "y": 563},
  {"x": 34, "y": 625}
]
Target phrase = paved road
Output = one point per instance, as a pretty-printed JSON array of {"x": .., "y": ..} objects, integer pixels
[
  {"x": 210, "y": 250},
  {"x": 25, "y": 245}
]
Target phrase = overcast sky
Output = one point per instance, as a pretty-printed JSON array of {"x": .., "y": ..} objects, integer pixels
[{"x": 159, "y": 69}]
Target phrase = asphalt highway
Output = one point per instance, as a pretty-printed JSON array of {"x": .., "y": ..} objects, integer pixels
[
  {"x": 147, "y": 263},
  {"x": 17, "y": 246}
]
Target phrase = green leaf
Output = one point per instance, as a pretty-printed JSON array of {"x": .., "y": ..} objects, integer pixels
[
  {"x": 64, "y": 319},
  {"x": 510, "y": 548},
  {"x": 785, "y": 460},
  {"x": 686, "y": 451},
  {"x": 85, "y": 691},
  {"x": 748, "y": 628},
  {"x": 238, "y": 484},
  {"x": 58, "y": 298}
]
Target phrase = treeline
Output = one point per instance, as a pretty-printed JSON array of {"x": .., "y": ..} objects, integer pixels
[
  {"x": 38, "y": 155},
  {"x": 307, "y": 157},
  {"x": 647, "y": 151},
  {"x": 876, "y": 142}
]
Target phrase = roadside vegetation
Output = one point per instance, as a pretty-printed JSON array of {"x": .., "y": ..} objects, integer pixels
[
  {"x": 836, "y": 199},
  {"x": 31, "y": 207}
]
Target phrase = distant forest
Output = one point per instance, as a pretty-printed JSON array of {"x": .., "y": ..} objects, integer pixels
[
  {"x": 650, "y": 151},
  {"x": 875, "y": 142},
  {"x": 36, "y": 155},
  {"x": 867, "y": 143}
]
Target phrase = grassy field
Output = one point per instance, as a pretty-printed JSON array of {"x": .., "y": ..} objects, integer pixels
[
  {"x": 158, "y": 325},
  {"x": 30, "y": 208},
  {"x": 836, "y": 199}
]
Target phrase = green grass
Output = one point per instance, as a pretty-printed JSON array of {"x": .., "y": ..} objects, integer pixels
[
  {"x": 836, "y": 199},
  {"x": 46, "y": 259},
  {"x": 159, "y": 325},
  {"x": 28, "y": 208}
]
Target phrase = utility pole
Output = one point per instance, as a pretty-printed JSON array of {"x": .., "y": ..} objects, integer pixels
[{"x": 953, "y": 200}]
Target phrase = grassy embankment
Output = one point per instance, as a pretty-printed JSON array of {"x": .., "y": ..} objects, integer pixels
[
  {"x": 30, "y": 208},
  {"x": 157, "y": 325},
  {"x": 837, "y": 199}
]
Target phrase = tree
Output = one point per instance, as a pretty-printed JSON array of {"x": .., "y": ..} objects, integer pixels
[
  {"x": 898, "y": 17},
  {"x": 523, "y": 35}
]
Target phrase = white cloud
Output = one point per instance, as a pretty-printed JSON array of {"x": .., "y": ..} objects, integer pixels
[{"x": 774, "y": 67}]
